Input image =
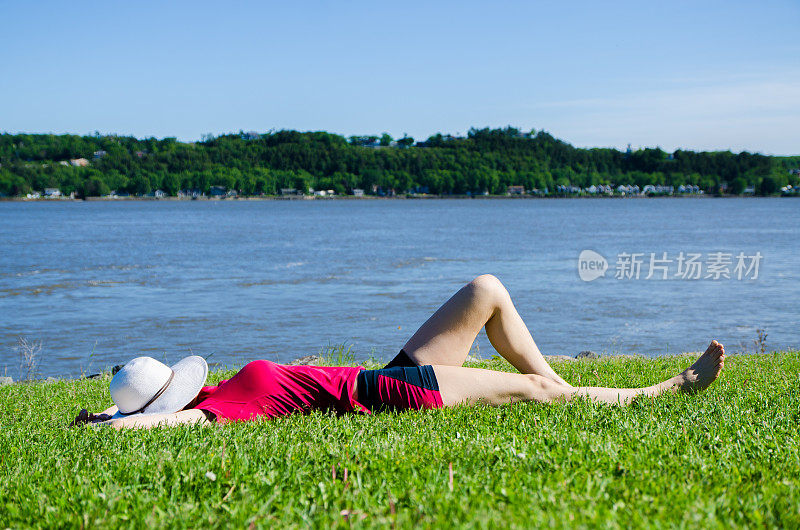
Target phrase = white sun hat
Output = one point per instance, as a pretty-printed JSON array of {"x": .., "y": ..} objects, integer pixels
[{"x": 146, "y": 386}]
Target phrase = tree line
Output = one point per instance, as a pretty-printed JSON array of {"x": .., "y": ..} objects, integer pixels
[{"x": 485, "y": 161}]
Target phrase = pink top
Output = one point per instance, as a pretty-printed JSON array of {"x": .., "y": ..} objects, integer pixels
[{"x": 264, "y": 388}]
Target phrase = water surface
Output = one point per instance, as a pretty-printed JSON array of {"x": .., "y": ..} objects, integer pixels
[{"x": 102, "y": 282}]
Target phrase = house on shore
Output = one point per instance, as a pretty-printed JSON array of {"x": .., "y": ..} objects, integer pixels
[
  {"x": 515, "y": 190},
  {"x": 628, "y": 190},
  {"x": 567, "y": 189},
  {"x": 52, "y": 193},
  {"x": 217, "y": 191}
]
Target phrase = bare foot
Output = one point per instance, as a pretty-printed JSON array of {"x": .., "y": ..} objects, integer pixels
[{"x": 703, "y": 372}]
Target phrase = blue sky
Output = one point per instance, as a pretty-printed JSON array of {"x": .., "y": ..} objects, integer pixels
[{"x": 696, "y": 75}]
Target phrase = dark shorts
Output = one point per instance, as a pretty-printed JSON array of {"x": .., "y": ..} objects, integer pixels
[
  {"x": 401, "y": 359},
  {"x": 399, "y": 387}
]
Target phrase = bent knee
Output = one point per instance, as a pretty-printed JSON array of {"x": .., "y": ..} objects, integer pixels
[
  {"x": 487, "y": 284},
  {"x": 488, "y": 289}
]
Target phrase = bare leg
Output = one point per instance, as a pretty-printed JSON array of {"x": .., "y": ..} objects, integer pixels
[
  {"x": 446, "y": 337},
  {"x": 459, "y": 385}
]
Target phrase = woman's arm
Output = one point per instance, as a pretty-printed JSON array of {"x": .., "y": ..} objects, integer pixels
[
  {"x": 111, "y": 410},
  {"x": 146, "y": 421}
]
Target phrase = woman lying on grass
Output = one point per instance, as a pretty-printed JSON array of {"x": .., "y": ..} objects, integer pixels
[{"x": 427, "y": 373}]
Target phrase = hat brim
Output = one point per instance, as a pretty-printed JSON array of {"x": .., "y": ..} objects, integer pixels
[{"x": 190, "y": 376}]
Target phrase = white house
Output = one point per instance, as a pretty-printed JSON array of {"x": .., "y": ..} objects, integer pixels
[{"x": 52, "y": 193}]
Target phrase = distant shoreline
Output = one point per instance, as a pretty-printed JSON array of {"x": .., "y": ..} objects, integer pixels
[
  {"x": 504, "y": 162},
  {"x": 377, "y": 198}
]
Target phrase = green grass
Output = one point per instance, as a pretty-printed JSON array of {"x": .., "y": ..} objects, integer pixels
[{"x": 726, "y": 457}]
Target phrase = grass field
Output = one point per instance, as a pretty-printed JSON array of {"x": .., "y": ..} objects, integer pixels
[{"x": 726, "y": 457}]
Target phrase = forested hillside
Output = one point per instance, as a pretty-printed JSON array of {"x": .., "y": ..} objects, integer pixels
[{"x": 487, "y": 160}]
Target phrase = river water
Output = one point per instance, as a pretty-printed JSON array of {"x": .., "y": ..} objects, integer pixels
[{"x": 101, "y": 282}]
